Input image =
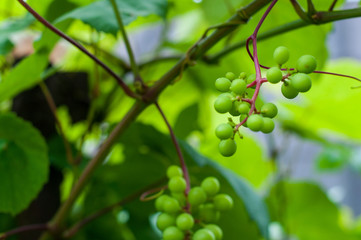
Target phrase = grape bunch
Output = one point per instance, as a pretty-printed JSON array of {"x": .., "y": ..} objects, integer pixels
[
  {"x": 238, "y": 97},
  {"x": 192, "y": 217}
]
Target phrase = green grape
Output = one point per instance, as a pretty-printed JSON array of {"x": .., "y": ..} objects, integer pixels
[
  {"x": 174, "y": 171},
  {"x": 306, "y": 64},
  {"x": 242, "y": 75},
  {"x": 210, "y": 185},
  {"x": 204, "y": 234},
  {"x": 159, "y": 202},
  {"x": 274, "y": 75},
  {"x": 234, "y": 110},
  {"x": 173, "y": 233},
  {"x": 208, "y": 213},
  {"x": 177, "y": 184},
  {"x": 255, "y": 122},
  {"x": 197, "y": 196},
  {"x": 238, "y": 86},
  {"x": 269, "y": 110},
  {"x": 242, "y": 117},
  {"x": 223, "y": 104},
  {"x": 268, "y": 125},
  {"x": 171, "y": 205},
  {"x": 165, "y": 220},
  {"x": 223, "y": 202},
  {"x": 224, "y": 131},
  {"x": 227, "y": 147},
  {"x": 251, "y": 78},
  {"x": 288, "y": 91},
  {"x": 243, "y": 108},
  {"x": 281, "y": 55},
  {"x": 301, "y": 82},
  {"x": 216, "y": 230},
  {"x": 222, "y": 84},
  {"x": 231, "y": 76},
  {"x": 185, "y": 221},
  {"x": 180, "y": 197}
]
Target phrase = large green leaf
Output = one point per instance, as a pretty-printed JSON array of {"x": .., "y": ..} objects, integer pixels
[
  {"x": 305, "y": 211},
  {"x": 23, "y": 163},
  {"x": 100, "y": 14},
  {"x": 146, "y": 161},
  {"x": 25, "y": 75}
]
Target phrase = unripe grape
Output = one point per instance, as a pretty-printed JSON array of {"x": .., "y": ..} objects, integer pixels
[
  {"x": 224, "y": 131},
  {"x": 174, "y": 171},
  {"x": 222, "y": 84},
  {"x": 223, "y": 104},
  {"x": 204, "y": 234},
  {"x": 216, "y": 230},
  {"x": 227, "y": 147},
  {"x": 208, "y": 213},
  {"x": 197, "y": 196},
  {"x": 159, "y": 202},
  {"x": 288, "y": 91},
  {"x": 223, "y": 202},
  {"x": 177, "y": 184},
  {"x": 238, "y": 86},
  {"x": 269, "y": 110},
  {"x": 242, "y": 117},
  {"x": 185, "y": 221},
  {"x": 243, "y": 108},
  {"x": 234, "y": 110},
  {"x": 231, "y": 76},
  {"x": 251, "y": 78},
  {"x": 173, "y": 233},
  {"x": 268, "y": 125},
  {"x": 242, "y": 75},
  {"x": 180, "y": 197},
  {"x": 165, "y": 220},
  {"x": 171, "y": 205},
  {"x": 306, "y": 64},
  {"x": 274, "y": 75},
  {"x": 281, "y": 55},
  {"x": 255, "y": 122},
  {"x": 301, "y": 82},
  {"x": 210, "y": 185}
]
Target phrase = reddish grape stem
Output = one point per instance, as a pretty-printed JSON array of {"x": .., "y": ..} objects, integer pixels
[
  {"x": 179, "y": 151},
  {"x": 259, "y": 80}
]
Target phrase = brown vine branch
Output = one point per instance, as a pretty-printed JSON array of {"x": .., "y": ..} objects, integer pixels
[
  {"x": 74, "y": 229},
  {"x": 52, "y": 106},
  {"x": 333, "y": 4},
  {"x": 119, "y": 80},
  {"x": 28, "y": 228}
]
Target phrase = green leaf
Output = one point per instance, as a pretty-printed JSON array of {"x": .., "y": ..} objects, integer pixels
[
  {"x": 25, "y": 75},
  {"x": 23, "y": 163},
  {"x": 333, "y": 157},
  {"x": 5, "y": 45},
  {"x": 100, "y": 15},
  {"x": 187, "y": 121},
  {"x": 306, "y": 211}
]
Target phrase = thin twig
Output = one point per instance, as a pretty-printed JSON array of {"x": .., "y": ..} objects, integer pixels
[
  {"x": 74, "y": 229},
  {"x": 299, "y": 10},
  {"x": 179, "y": 151},
  {"x": 133, "y": 64},
  {"x": 332, "y": 6},
  {"x": 27, "y": 228},
  {"x": 53, "y": 109},
  {"x": 119, "y": 80}
]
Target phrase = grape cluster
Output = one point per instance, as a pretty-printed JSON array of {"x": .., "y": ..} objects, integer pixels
[
  {"x": 235, "y": 91},
  {"x": 296, "y": 80},
  {"x": 191, "y": 217}
]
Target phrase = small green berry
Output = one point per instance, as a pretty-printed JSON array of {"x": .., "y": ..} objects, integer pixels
[
  {"x": 274, "y": 75},
  {"x": 222, "y": 84},
  {"x": 227, "y": 147},
  {"x": 269, "y": 110},
  {"x": 281, "y": 55},
  {"x": 231, "y": 76}
]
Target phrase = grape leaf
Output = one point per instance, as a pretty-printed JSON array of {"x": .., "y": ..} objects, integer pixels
[
  {"x": 100, "y": 14},
  {"x": 23, "y": 163}
]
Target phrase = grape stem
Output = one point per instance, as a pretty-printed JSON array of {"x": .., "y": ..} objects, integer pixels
[
  {"x": 179, "y": 152},
  {"x": 259, "y": 80},
  {"x": 27, "y": 228}
]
